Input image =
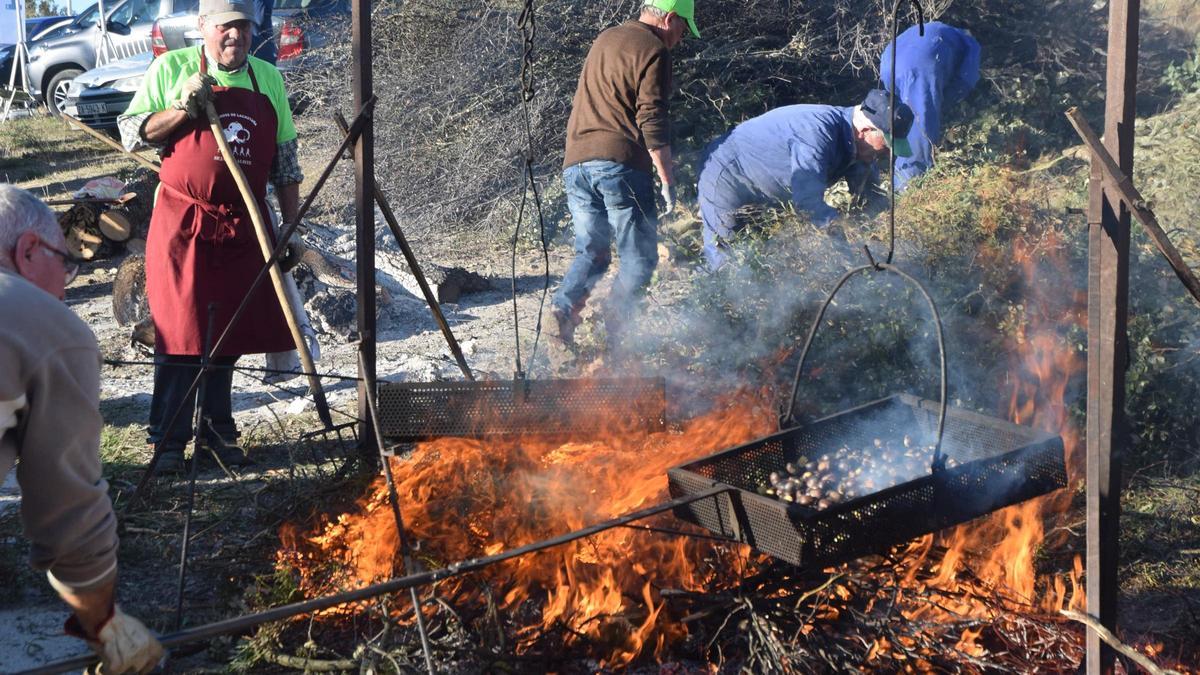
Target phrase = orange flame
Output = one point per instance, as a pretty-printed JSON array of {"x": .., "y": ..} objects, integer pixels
[{"x": 466, "y": 498}]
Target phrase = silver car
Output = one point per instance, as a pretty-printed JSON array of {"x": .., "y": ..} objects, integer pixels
[
  {"x": 98, "y": 96},
  {"x": 63, "y": 53}
]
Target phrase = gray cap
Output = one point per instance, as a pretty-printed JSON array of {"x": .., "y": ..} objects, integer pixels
[{"x": 226, "y": 11}]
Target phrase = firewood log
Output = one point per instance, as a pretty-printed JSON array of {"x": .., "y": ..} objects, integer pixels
[{"x": 116, "y": 225}]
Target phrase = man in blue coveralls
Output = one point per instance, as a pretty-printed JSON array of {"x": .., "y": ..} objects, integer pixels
[
  {"x": 795, "y": 153},
  {"x": 937, "y": 70}
]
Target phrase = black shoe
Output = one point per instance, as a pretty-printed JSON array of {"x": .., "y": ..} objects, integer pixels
[
  {"x": 230, "y": 455},
  {"x": 170, "y": 462}
]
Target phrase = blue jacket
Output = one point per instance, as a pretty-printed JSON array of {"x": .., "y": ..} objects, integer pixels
[
  {"x": 936, "y": 71},
  {"x": 789, "y": 153}
]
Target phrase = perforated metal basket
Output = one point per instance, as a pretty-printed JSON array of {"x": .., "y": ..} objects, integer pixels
[
  {"x": 998, "y": 464},
  {"x": 418, "y": 411}
]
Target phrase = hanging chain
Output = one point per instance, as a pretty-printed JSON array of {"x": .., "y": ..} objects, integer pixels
[{"x": 528, "y": 26}]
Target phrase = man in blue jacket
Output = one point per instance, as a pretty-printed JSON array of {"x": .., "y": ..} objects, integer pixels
[
  {"x": 794, "y": 153},
  {"x": 937, "y": 70}
]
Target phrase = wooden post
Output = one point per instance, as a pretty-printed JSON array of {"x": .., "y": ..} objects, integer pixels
[
  {"x": 364, "y": 202},
  {"x": 1108, "y": 303}
]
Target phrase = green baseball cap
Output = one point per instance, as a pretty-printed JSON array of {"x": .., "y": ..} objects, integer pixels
[{"x": 684, "y": 8}]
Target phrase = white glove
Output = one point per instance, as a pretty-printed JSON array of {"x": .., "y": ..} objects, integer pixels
[
  {"x": 196, "y": 92},
  {"x": 668, "y": 195},
  {"x": 310, "y": 337},
  {"x": 124, "y": 645}
]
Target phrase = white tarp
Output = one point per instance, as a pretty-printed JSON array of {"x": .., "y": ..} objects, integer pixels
[{"x": 12, "y": 16}]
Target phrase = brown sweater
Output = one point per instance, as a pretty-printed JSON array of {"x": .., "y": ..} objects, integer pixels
[{"x": 621, "y": 104}]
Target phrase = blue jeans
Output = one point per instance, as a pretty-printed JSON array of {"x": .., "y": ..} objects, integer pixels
[{"x": 609, "y": 202}]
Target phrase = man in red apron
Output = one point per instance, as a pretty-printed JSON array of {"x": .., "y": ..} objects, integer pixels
[{"x": 201, "y": 251}]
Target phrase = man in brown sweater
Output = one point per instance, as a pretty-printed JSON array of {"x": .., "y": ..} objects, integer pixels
[
  {"x": 50, "y": 429},
  {"x": 619, "y": 128}
]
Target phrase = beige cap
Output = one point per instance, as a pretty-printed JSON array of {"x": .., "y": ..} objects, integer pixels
[{"x": 226, "y": 11}]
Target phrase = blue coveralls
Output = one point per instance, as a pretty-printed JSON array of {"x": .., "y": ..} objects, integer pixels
[
  {"x": 791, "y": 153},
  {"x": 936, "y": 71}
]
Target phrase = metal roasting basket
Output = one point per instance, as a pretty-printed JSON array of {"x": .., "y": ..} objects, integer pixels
[
  {"x": 999, "y": 464},
  {"x": 418, "y": 411},
  {"x": 996, "y": 464}
]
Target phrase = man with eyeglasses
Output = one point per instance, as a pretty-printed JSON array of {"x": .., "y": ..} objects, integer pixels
[{"x": 50, "y": 430}]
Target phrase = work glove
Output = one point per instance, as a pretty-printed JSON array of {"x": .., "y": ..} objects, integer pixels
[
  {"x": 123, "y": 644},
  {"x": 668, "y": 195},
  {"x": 292, "y": 255},
  {"x": 196, "y": 93}
]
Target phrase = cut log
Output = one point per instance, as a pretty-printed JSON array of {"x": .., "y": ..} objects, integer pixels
[
  {"x": 136, "y": 245},
  {"x": 450, "y": 283},
  {"x": 129, "y": 292},
  {"x": 83, "y": 243},
  {"x": 116, "y": 225}
]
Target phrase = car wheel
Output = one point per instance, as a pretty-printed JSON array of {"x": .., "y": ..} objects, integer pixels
[{"x": 56, "y": 89}]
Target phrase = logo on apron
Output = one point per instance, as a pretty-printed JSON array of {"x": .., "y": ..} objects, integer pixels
[{"x": 236, "y": 133}]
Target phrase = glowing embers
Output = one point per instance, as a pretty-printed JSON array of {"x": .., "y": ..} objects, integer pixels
[
  {"x": 996, "y": 464},
  {"x": 576, "y": 408}
]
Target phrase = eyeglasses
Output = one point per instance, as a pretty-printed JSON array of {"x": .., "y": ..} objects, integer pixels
[{"x": 70, "y": 262}]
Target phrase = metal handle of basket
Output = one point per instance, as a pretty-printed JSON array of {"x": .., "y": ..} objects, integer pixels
[{"x": 939, "y": 460}]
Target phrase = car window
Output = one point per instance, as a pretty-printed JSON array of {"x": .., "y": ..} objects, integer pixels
[
  {"x": 87, "y": 19},
  {"x": 141, "y": 11},
  {"x": 124, "y": 13}
]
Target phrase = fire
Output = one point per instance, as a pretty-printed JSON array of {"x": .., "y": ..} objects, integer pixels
[
  {"x": 465, "y": 498},
  {"x": 462, "y": 499},
  {"x": 1000, "y": 550}
]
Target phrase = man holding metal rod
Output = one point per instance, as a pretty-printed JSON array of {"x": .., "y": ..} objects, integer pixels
[
  {"x": 202, "y": 248},
  {"x": 50, "y": 429}
]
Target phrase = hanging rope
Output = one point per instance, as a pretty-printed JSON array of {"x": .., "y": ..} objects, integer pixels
[{"x": 528, "y": 25}]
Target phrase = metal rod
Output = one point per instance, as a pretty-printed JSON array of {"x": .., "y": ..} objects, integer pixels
[
  {"x": 247, "y": 621},
  {"x": 401, "y": 531},
  {"x": 1108, "y": 341},
  {"x": 198, "y": 437},
  {"x": 263, "y": 232},
  {"x": 364, "y": 214},
  {"x": 939, "y": 458},
  {"x": 351, "y": 135},
  {"x": 1132, "y": 200},
  {"x": 112, "y": 144},
  {"x": 435, "y": 308}
]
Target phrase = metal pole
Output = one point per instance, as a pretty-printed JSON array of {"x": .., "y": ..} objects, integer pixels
[
  {"x": 1108, "y": 304},
  {"x": 364, "y": 202},
  {"x": 245, "y": 622}
]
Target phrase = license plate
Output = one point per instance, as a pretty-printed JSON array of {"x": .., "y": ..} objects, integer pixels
[{"x": 91, "y": 108}]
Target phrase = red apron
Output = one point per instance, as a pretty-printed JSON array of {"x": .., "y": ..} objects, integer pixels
[{"x": 201, "y": 247}]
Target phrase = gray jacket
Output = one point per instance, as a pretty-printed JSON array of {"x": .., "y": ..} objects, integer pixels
[{"x": 50, "y": 428}]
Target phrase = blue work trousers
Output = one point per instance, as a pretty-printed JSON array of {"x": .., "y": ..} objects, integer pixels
[
  {"x": 721, "y": 191},
  {"x": 609, "y": 202}
]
